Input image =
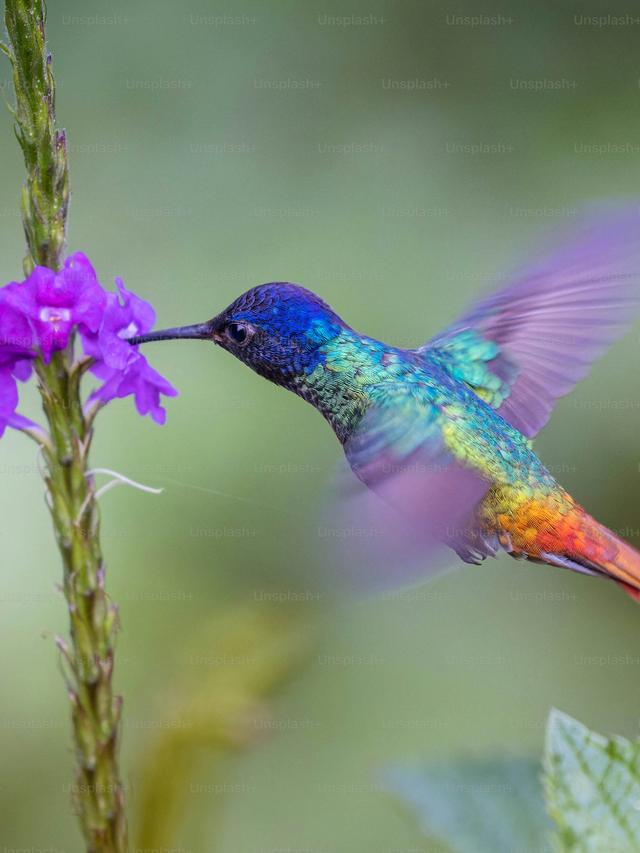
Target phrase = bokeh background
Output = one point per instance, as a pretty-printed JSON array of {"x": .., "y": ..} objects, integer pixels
[{"x": 398, "y": 158}]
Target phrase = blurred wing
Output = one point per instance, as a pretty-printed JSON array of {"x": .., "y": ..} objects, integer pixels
[
  {"x": 418, "y": 496},
  {"x": 530, "y": 343}
]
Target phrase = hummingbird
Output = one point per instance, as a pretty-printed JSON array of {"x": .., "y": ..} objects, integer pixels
[{"x": 443, "y": 432}]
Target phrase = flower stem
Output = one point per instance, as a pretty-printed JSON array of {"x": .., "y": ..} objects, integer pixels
[{"x": 95, "y": 710}]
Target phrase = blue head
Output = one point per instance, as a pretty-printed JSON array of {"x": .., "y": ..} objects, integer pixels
[{"x": 276, "y": 329}]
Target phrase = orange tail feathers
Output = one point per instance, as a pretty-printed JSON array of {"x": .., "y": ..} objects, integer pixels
[
  {"x": 593, "y": 547},
  {"x": 625, "y": 566}
]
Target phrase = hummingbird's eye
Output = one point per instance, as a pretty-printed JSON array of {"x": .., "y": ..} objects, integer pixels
[{"x": 238, "y": 333}]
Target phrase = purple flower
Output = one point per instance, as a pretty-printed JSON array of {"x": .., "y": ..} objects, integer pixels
[
  {"x": 138, "y": 379},
  {"x": 16, "y": 354},
  {"x": 123, "y": 369},
  {"x": 38, "y": 316},
  {"x": 9, "y": 403},
  {"x": 53, "y": 303},
  {"x": 122, "y": 318},
  {"x": 8, "y": 398},
  {"x": 16, "y": 336}
]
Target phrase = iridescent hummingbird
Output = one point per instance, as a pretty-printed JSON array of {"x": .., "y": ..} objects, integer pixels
[{"x": 442, "y": 433}]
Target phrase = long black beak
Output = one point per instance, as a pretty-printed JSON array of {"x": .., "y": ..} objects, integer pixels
[{"x": 201, "y": 331}]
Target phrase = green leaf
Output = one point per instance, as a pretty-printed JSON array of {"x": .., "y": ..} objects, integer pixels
[
  {"x": 482, "y": 806},
  {"x": 592, "y": 786}
]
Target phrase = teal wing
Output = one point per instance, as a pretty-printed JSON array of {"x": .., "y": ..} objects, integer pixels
[
  {"x": 400, "y": 422},
  {"x": 399, "y": 452},
  {"x": 477, "y": 361}
]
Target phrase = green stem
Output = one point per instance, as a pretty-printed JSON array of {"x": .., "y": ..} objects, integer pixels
[{"x": 95, "y": 710}]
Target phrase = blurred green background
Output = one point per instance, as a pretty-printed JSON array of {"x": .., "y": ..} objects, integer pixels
[{"x": 397, "y": 159}]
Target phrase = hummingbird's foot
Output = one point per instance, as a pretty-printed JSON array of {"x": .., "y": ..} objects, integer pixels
[
  {"x": 469, "y": 554},
  {"x": 477, "y": 548}
]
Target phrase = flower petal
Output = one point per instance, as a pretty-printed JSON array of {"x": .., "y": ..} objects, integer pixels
[{"x": 139, "y": 380}]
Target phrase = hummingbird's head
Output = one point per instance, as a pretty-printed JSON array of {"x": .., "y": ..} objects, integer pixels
[{"x": 276, "y": 329}]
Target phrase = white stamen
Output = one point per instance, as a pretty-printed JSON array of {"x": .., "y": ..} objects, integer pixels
[
  {"x": 51, "y": 314},
  {"x": 131, "y": 330}
]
